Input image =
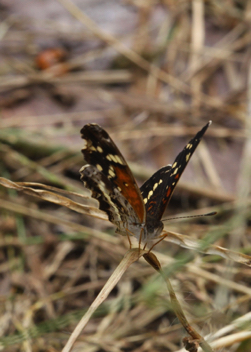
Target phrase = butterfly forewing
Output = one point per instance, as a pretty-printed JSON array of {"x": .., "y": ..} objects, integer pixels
[
  {"x": 101, "y": 152},
  {"x": 153, "y": 189},
  {"x": 158, "y": 190}
]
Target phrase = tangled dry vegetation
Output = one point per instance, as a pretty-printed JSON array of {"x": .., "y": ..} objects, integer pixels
[{"x": 151, "y": 73}]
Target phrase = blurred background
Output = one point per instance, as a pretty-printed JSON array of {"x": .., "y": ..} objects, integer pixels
[{"x": 152, "y": 73}]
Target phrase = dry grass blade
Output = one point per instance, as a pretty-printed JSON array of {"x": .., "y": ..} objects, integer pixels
[
  {"x": 133, "y": 56},
  {"x": 54, "y": 198},
  {"x": 38, "y": 214},
  {"x": 236, "y": 324},
  {"x": 121, "y": 48},
  {"x": 88, "y": 77},
  {"x": 227, "y": 341},
  {"x": 220, "y": 341},
  {"x": 130, "y": 257},
  {"x": 151, "y": 75},
  {"x": 153, "y": 261},
  {"x": 190, "y": 243},
  {"x": 170, "y": 130},
  {"x": 173, "y": 237}
]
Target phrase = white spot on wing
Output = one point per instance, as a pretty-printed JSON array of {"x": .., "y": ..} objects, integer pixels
[
  {"x": 175, "y": 171},
  {"x": 119, "y": 160},
  {"x": 111, "y": 172},
  {"x": 189, "y": 146},
  {"x": 155, "y": 186},
  {"x": 150, "y": 194},
  {"x": 188, "y": 157}
]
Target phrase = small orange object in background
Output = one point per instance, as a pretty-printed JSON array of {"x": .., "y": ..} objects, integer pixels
[{"x": 50, "y": 57}]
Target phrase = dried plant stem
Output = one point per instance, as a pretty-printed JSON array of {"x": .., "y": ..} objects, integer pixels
[
  {"x": 135, "y": 57},
  {"x": 131, "y": 256},
  {"x": 52, "y": 197},
  {"x": 197, "y": 245},
  {"x": 44, "y": 192},
  {"x": 121, "y": 48},
  {"x": 153, "y": 261}
]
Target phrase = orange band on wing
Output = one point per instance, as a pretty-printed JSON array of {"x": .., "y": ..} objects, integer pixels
[{"x": 129, "y": 191}]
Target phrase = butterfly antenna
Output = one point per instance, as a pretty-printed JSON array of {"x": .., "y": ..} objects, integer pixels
[{"x": 191, "y": 216}]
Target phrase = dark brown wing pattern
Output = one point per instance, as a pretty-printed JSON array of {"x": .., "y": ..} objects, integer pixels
[
  {"x": 101, "y": 151},
  {"x": 158, "y": 189},
  {"x": 134, "y": 211}
]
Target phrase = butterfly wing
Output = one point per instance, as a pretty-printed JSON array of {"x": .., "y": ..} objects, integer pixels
[
  {"x": 157, "y": 191},
  {"x": 101, "y": 152},
  {"x": 111, "y": 201}
]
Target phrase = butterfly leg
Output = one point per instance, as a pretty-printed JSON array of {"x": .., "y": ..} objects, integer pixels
[
  {"x": 128, "y": 236},
  {"x": 162, "y": 237}
]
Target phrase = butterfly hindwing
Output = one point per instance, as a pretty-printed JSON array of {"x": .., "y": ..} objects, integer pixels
[{"x": 110, "y": 199}]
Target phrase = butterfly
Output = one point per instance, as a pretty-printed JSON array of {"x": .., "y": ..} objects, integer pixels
[{"x": 133, "y": 210}]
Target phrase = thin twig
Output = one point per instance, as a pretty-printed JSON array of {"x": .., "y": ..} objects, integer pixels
[{"x": 153, "y": 261}]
